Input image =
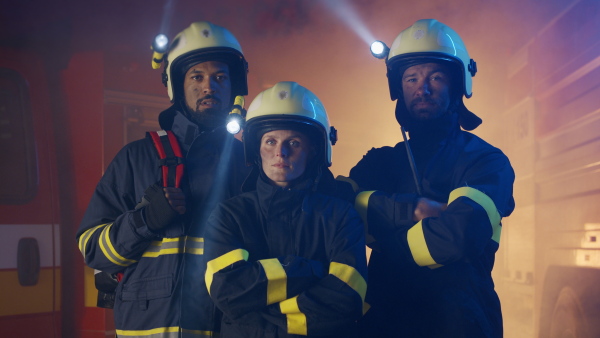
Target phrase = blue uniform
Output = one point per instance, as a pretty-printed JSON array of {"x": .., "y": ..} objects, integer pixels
[
  {"x": 162, "y": 293},
  {"x": 432, "y": 278},
  {"x": 286, "y": 263}
]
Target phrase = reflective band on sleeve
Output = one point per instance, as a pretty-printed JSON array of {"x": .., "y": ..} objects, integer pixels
[
  {"x": 350, "y": 276},
  {"x": 85, "y": 237},
  {"x": 277, "y": 280},
  {"x": 418, "y": 245},
  {"x": 109, "y": 250},
  {"x": 366, "y": 308},
  {"x": 296, "y": 320},
  {"x": 485, "y": 202},
  {"x": 222, "y": 262},
  {"x": 361, "y": 204}
]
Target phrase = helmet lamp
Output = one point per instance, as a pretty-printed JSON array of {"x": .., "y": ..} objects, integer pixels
[
  {"x": 235, "y": 119},
  {"x": 160, "y": 43},
  {"x": 379, "y": 49}
]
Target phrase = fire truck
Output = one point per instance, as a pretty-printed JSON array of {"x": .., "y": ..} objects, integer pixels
[
  {"x": 60, "y": 125},
  {"x": 548, "y": 267}
]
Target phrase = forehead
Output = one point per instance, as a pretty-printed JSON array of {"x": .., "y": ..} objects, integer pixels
[
  {"x": 209, "y": 67},
  {"x": 426, "y": 68},
  {"x": 284, "y": 133}
]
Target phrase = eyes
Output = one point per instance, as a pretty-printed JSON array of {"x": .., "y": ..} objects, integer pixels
[
  {"x": 435, "y": 77},
  {"x": 293, "y": 143},
  {"x": 220, "y": 78}
]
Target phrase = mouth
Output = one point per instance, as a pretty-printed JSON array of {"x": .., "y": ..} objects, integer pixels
[
  {"x": 423, "y": 103},
  {"x": 207, "y": 102},
  {"x": 281, "y": 165}
]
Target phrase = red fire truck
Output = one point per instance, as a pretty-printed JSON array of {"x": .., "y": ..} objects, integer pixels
[{"x": 59, "y": 128}]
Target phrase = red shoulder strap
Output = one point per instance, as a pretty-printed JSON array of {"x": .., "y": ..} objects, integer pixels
[{"x": 171, "y": 158}]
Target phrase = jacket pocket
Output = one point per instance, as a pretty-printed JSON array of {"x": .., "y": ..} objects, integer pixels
[{"x": 148, "y": 288}]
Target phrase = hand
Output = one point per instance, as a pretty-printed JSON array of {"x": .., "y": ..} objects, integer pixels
[
  {"x": 427, "y": 208},
  {"x": 165, "y": 205},
  {"x": 176, "y": 199}
]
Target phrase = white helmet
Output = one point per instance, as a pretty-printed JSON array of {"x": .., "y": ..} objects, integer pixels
[
  {"x": 288, "y": 105},
  {"x": 203, "y": 41},
  {"x": 429, "y": 40}
]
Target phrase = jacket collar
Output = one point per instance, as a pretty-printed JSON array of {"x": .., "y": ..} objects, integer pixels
[{"x": 277, "y": 200}]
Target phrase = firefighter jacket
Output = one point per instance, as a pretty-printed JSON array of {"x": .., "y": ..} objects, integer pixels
[
  {"x": 286, "y": 263},
  {"x": 432, "y": 278},
  {"x": 162, "y": 293}
]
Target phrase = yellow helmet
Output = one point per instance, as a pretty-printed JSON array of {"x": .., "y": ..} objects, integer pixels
[
  {"x": 288, "y": 105},
  {"x": 203, "y": 41},
  {"x": 429, "y": 40}
]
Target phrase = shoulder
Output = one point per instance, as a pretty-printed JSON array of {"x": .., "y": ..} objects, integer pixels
[
  {"x": 382, "y": 152},
  {"x": 475, "y": 145},
  {"x": 133, "y": 159},
  {"x": 136, "y": 153}
]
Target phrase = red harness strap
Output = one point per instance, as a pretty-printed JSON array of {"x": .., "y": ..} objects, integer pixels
[{"x": 171, "y": 158}]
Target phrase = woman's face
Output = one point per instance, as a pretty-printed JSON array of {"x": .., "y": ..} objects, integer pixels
[{"x": 284, "y": 154}]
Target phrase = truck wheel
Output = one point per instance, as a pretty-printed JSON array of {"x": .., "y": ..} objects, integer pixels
[{"x": 568, "y": 317}]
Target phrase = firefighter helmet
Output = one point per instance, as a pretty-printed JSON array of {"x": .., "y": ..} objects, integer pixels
[
  {"x": 204, "y": 41},
  {"x": 429, "y": 40},
  {"x": 288, "y": 105}
]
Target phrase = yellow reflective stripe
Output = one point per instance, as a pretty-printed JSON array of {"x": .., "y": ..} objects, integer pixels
[
  {"x": 277, "y": 280},
  {"x": 366, "y": 307},
  {"x": 296, "y": 320},
  {"x": 418, "y": 245},
  {"x": 194, "y": 251},
  {"x": 109, "y": 251},
  {"x": 361, "y": 204},
  {"x": 175, "y": 245},
  {"x": 130, "y": 333},
  {"x": 354, "y": 185},
  {"x": 187, "y": 332},
  {"x": 350, "y": 276},
  {"x": 85, "y": 237},
  {"x": 171, "y": 239},
  {"x": 194, "y": 245},
  {"x": 170, "y": 251},
  {"x": 485, "y": 202},
  {"x": 222, "y": 262},
  {"x": 166, "y": 246}
]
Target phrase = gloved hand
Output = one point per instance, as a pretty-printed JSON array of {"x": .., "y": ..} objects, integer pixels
[{"x": 162, "y": 204}]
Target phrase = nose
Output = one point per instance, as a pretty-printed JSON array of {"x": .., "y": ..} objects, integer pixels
[
  {"x": 208, "y": 86},
  {"x": 282, "y": 151},
  {"x": 423, "y": 89}
]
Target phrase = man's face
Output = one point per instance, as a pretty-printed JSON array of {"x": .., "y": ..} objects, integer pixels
[
  {"x": 426, "y": 89},
  {"x": 207, "y": 89},
  {"x": 284, "y": 154}
]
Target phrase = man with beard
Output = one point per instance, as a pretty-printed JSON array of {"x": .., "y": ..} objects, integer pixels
[
  {"x": 151, "y": 232},
  {"x": 433, "y": 204}
]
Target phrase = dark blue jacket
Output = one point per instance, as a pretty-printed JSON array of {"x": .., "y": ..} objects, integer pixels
[
  {"x": 286, "y": 262},
  {"x": 162, "y": 293},
  {"x": 433, "y": 278}
]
